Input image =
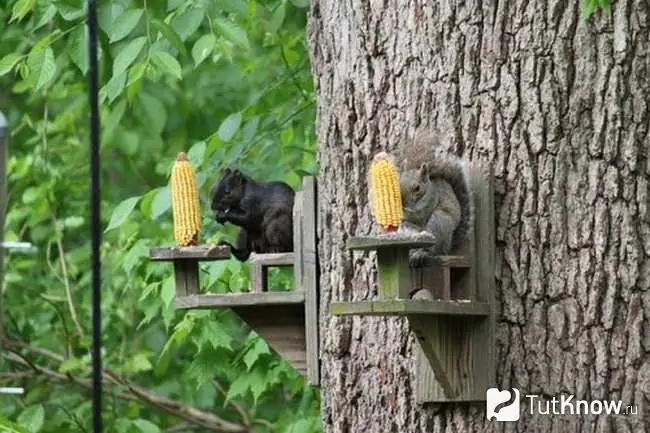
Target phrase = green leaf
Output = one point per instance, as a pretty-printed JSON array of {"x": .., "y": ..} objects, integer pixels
[
  {"x": 238, "y": 388},
  {"x": 258, "y": 349},
  {"x": 162, "y": 202},
  {"x": 8, "y": 427},
  {"x": 115, "y": 86},
  {"x": 146, "y": 426},
  {"x": 140, "y": 363},
  {"x": 71, "y": 11},
  {"x": 196, "y": 153},
  {"x": 127, "y": 56},
  {"x": 73, "y": 222},
  {"x": 277, "y": 19},
  {"x": 32, "y": 418},
  {"x": 79, "y": 48},
  {"x": 8, "y": 62},
  {"x": 167, "y": 292},
  {"x": 21, "y": 9},
  {"x": 300, "y": 3},
  {"x": 125, "y": 24},
  {"x": 42, "y": 67},
  {"x": 229, "y": 126},
  {"x": 70, "y": 364},
  {"x": 47, "y": 16},
  {"x": 233, "y": 32},
  {"x": 122, "y": 212},
  {"x": 154, "y": 112},
  {"x": 170, "y": 34},
  {"x": 188, "y": 23},
  {"x": 168, "y": 64},
  {"x": 138, "y": 251},
  {"x": 203, "y": 48}
]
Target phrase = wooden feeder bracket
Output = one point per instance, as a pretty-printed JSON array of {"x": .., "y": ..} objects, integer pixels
[{"x": 454, "y": 321}]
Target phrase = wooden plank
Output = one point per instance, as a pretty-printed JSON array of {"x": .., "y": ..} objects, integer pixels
[
  {"x": 298, "y": 241},
  {"x": 455, "y": 261},
  {"x": 310, "y": 274},
  {"x": 394, "y": 274},
  {"x": 396, "y": 239},
  {"x": 257, "y": 282},
  {"x": 404, "y": 307},
  {"x": 273, "y": 259},
  {"x": 200, "y": 252},
  {"x": 186, "y": 277},
  {"x": 282, "y": 327},
  {"x": 259, "y": 300},
  {"x": 464, "y": 348}
]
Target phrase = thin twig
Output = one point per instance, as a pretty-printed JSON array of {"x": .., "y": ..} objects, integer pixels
[{"x": 66, "y": 282}]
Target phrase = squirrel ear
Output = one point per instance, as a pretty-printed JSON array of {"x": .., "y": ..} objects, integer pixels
[
  {"x": 236, "y": 172},
  {"x": 226, "y": 171}
]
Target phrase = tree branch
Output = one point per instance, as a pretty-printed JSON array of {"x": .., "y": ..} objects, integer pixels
[{"x": 177, "y": 408}]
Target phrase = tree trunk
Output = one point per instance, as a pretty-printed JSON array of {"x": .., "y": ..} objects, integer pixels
[{"x": 559, "y": 106}]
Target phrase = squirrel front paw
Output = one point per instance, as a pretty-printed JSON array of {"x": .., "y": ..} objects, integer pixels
[
  {"x": 420, "y": 258},
  {"x": 220, "y": 216}
]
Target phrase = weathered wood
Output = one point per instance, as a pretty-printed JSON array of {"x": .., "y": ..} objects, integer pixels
[
  {"x": 273, "y": 259},
  {"x": 464, "y": 349},
  {"x": 396, "y": 239},
  {"x": 260, "y": 300},
  {"x": 283, "y": 327},
  {"x": 405, "y": 307},
  {"x": 202, "y": 253},
  {"x": 309, "y": 271},
  {"x": 186, "y": 277},
  {"x": 393, "y": 271}
]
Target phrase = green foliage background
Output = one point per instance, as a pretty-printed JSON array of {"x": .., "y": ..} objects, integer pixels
[{"x": 229, "y": 82}]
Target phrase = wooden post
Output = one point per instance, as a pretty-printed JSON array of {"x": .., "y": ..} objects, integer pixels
[{"x": 4, "y": 132}]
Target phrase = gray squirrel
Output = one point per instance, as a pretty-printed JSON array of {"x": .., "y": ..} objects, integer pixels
[{"x": 437, "y": 198}]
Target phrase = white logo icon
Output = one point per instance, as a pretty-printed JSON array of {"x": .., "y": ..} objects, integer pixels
[{"x": 502, "y": 405}]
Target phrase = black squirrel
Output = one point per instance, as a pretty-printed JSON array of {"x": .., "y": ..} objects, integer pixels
[
  {"x": 262, "y": 210},
  {"x": 437, "y": 198}
]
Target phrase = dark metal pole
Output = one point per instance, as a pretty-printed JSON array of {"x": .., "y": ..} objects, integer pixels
[{"x": 95, "y": 216}]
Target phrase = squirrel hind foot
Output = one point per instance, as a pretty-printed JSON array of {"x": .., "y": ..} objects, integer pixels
[{"x": 422, "y": 258}]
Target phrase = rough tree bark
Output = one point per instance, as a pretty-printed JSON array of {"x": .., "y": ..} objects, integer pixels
[{"x": 559, "y": 106}]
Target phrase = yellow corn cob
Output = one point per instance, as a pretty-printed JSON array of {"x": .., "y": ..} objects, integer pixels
[
  {"x": 385, "y": 193},
  {"x": 185, "y": 202}
]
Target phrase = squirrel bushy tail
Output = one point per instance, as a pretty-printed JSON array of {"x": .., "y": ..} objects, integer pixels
[{"x": 422, "y": 155}]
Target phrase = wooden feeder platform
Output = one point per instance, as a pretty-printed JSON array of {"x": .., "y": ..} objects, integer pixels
[
  {"x": 450, "y": 307},
  {"x": 287, "y": 320}
]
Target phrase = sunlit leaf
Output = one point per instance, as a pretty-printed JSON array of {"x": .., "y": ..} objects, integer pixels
[
  {"x": 170, "y": 34},
  {"x": 145, "y": 426},
  {"x": 188, "y": 23},
  {"x": 129, "y": 53},
  {"x": 42, "y": 66},
  {"x": 167, "y": 63},
  {"x": 122, "y": 212},
  {"x": 32, "y": 418},
  {"x": 8, "y": 62},
  {"x": 203, "y": 48},
  {"x": 229, "y": 126},
  {"x": 125, "y": 24},
  {"x": 233, "y": 32},
  {"x": 162, "y": 202},
  {"x": 21, "y": 9}
]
